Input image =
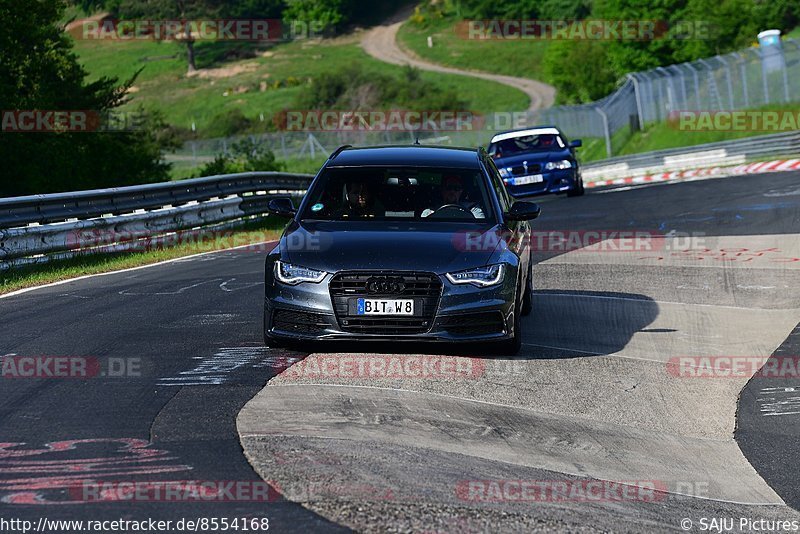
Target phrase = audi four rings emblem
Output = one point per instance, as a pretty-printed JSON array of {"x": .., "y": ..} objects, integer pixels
[{"x": 385, "y": 285}]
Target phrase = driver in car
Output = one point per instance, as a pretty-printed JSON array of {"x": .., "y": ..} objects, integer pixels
[
  {"x": 359, "y": 202},
  {"x": 452, "y": 195},
  {"x": 547, "y": 141}
]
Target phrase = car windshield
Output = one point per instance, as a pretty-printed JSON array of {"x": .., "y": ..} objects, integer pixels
[
  {"x": 528, "y": 143},
  {"x": 391, "y": 193}
]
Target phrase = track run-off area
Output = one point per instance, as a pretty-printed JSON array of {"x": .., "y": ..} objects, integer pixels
[{"x": 602, "y": 392}]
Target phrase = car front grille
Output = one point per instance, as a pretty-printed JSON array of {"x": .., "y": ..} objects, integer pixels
[
  {"x": 423, "y": 287},
  {"x": 533, "y": 168},
  {"x": 473, "y": 324},
  {"x": 298, "y": 322}
]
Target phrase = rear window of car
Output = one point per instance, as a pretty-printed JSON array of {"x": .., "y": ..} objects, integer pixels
[{"x": 400, "y": 193}]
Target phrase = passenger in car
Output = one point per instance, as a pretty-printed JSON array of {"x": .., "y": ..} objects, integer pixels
[{"x": 452, "y": 194}]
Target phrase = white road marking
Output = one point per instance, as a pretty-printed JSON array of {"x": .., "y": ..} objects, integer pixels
[
  {"x": 771, "y": 405},
  {"x": 217, "y": 369},
  {"x": 131, "y": 292},
  {"x": 182, "y": 259}
]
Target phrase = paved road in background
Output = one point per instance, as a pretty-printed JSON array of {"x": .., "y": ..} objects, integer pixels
[
  {"x": 381, "y": 43},
  {"x": 593, "y": 365}
]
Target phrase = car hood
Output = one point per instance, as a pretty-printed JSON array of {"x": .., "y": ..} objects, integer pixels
[
  {"x": 434, "y": 247},
  {"x": 533, "y": 157}
]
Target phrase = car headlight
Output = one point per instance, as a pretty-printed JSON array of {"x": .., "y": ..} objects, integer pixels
[
  {"x": 490, "y": 275},
  {"x": 504, "y": 173},
  {"x": 293, "y": 274},
  {"x": 558, "y": 165}
]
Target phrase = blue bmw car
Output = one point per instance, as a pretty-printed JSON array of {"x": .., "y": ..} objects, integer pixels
[{"x": 535, "y": 161}]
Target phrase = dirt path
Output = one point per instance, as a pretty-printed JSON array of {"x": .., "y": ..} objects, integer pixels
[{"x": 381, "y": 43}]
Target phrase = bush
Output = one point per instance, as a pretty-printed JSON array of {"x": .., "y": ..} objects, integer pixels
[
  {"x": 245, "y": 156},
  {"x": 354, "y": 89}
]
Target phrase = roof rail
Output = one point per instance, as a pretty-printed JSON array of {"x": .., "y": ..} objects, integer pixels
[{"x": 339, "y": 150}]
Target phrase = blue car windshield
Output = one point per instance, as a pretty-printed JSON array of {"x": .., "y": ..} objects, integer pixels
[
  {"x": 408, "y": 193},
  {"x": 528, "y": 143}
]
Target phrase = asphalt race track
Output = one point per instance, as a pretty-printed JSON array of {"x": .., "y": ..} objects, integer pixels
[{"x": 595, "y": 395}]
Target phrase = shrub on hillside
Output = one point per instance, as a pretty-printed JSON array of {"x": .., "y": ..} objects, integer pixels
[
  {"x": 245, "y": 156},
  {"x": 356, "y": 88}
]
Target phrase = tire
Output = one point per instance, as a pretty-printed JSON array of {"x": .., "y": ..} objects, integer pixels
[
  {"x": 578, "y": 191},
  {"x": 512, "y": 346},
  {"x": 527, "y": 299}
]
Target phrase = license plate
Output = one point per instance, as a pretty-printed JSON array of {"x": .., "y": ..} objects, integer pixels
[
  {"x": 384, "y": 307},
  {"x": 525, "y": 180}
]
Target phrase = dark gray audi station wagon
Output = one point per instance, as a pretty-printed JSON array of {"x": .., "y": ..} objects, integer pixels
[{"x": 402, "y": 243}]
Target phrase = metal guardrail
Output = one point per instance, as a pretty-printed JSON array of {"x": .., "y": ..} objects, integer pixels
[
  {"x": 42, "y": 209},
  {"x": 37, "y": 228},
  {"x": 733, "y": 152}
]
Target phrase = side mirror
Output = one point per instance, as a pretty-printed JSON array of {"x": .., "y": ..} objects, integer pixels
[
  {"x": 576, "y": 143},
  {"x": 282, "y": 207},
  {"x": 523, "y": 211}
]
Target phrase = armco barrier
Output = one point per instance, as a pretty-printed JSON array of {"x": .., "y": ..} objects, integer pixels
[
  {"x": 724, "y": 153},
  {"x": 36, "y": 228}
]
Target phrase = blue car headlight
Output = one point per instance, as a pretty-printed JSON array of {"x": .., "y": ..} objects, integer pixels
[
  {"x": 504, "y": 173},
  {"x": 292, "y": 275},
  {"x": 491, "y": 275},
  {"x": 558, "y": 165}
]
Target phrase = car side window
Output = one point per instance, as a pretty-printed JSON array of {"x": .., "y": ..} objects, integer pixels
[{"x": 499, "y": 186}]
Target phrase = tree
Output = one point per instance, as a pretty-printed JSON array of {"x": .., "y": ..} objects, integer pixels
[
  {"x": 40, "y": 72},
  {"x": 327, "y": 13},
  {"x": 183, "y": 10}
]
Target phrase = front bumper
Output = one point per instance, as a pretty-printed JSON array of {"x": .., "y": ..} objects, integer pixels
[
  {"x": 559, "y": 181},
  {"x": 462, "y": 313}
]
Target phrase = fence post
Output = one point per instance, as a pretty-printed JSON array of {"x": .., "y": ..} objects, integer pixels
[
  {"x": 696, "y": 86},
  {"x": 638, "y": 95},
  {"x": 785, "y": 76},
  {"x": 671, "y": 93},
  {"x": 606, "y": 130},
  {"x": 743, "y": 76},
  {"x": 683, "y": 83},
  {"x": 728, "y": 79},
  {"x": 764, "y": 80}
]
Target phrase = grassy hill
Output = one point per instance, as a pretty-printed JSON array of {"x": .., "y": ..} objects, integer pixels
[{"x": 253, "y": 80}]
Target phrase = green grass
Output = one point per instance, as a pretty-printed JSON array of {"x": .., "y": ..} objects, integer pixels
[
  {"x": 521, "y": 58},
  {"x": 254, "y": 232},
  {"x": 164, "y": 86},
  {"x": 661, "y": 136}
]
